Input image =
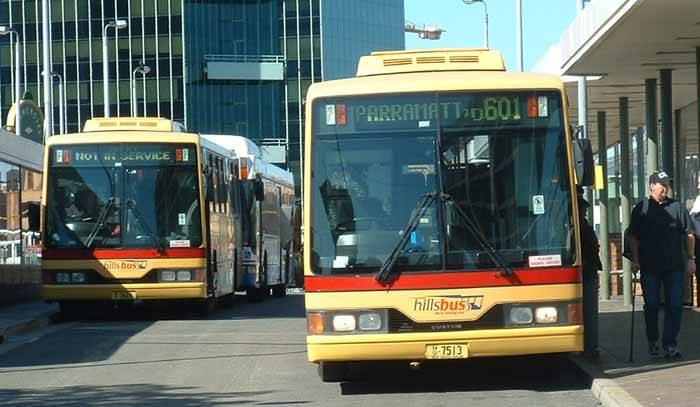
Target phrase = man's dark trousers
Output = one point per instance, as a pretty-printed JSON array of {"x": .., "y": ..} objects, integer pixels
[
  {"x": 673, "y": 283},
  {"x": 590, "y": 309}
]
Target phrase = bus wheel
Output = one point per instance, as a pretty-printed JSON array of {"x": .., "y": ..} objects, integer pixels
[
  {"x": 70, "y": 310},
  {"x": 279, "y": 291},
  {"x": 205, "y": 307},
  {"x": 333, "y": 371}
]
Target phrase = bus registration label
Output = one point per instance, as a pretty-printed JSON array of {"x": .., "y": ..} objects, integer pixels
[
  {"x": 447, "y": 351},
  {"x": 123, "y": 295}
]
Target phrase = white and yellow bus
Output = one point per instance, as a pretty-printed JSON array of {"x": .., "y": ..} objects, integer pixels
[
  {"x": 439, "y": 219},
  {"x": 134, "y": 209}
]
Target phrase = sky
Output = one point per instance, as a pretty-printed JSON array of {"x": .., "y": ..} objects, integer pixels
[{"x": 544, "y": 21}]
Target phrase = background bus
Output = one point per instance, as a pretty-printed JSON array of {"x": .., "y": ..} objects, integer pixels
[
  {"x": 133, "y": 210},
  {"x": 439, "y": 220},
  {"x": 267, "y": 240}
]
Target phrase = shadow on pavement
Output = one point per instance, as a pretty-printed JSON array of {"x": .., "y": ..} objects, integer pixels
[
  {"x": 143, "y": 395},
  {"x": 615, "y": 329},
  {"x": 534, "y": 373}
]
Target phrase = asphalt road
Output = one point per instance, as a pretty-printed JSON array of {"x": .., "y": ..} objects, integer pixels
[{"x": 250, "y": 354}]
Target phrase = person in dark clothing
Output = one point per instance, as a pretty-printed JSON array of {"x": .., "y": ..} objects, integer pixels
[
  {"x": 662, "y": 242},
  {"x": 590, "y": 264}
]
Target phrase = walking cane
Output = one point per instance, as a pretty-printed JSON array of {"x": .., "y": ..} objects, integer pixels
[{"x": 634, "y": 289}]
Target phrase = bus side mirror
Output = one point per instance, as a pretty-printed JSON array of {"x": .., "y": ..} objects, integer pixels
[
  {"x": 259, "y": 190},
  {"x": 583, "y": 162}
]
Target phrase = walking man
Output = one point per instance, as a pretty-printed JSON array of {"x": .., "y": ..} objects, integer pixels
[{"x": 662, "y": 243}]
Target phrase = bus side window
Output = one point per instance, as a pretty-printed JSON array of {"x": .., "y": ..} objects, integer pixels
[
  {"x": 233, "y": 191},
  {"x": 211, "y": 184}
]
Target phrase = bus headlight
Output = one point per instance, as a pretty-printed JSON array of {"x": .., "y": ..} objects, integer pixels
[
  {"x": 521, "y": 315},
  {"x": 63, "y": 278},
  {"x": 546, "y": 315},
  {"x": 167, "y": 275},
  {"x": 344, "y": 323},
  {"x": 184, "y": 275},
  {"x": 370, "y": 321},
  {"x": 78, "y": 277}
]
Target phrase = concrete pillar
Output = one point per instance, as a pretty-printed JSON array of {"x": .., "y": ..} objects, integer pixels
[
  {"x": 641, "y": 177},
  {"x": 625, "y": 195},
  {"x": 667, "y": 126},
  {"x": 603, "y": 236},
  {"x": 678, "y": 156},
  {"x": 652, "y": 124}
]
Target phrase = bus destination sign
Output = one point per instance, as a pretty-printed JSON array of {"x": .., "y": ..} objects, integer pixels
[{"x": 122, "y": 154}]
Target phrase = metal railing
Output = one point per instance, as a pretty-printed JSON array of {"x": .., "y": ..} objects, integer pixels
[{"x": 245, "y": 58}]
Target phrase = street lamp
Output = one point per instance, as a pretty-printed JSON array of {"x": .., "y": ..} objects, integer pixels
[
  {"x": 143, "y": 70},
  {"x": 486, "y": 19},
  {"x": 61, "y": 102},
  {"x": 117, "y": 25},
  {"x": 7, "y": 30}
]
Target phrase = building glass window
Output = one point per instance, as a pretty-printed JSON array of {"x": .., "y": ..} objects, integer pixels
[{"x": 10, "y": 236}]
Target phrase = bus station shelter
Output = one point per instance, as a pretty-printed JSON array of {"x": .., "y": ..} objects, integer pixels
[{"x": 638, "y": 105}]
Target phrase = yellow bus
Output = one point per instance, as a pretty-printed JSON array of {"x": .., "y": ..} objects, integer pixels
[
  {"x": 439, "y": 218},
  {"x": 135, "y": 209}
]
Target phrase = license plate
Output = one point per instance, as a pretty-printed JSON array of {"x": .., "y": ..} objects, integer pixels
[
  {"x": 123, "y": 296},
  {"x": 447, "y": 351}
]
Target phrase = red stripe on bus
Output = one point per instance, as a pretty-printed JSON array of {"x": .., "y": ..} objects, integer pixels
[
  {"x": 431, "y": 281},
  {"x": 121, "y": 254}
]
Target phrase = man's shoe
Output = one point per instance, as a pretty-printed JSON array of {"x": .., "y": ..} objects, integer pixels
[
  {"x": 654, "y": 350},
  {"x": 672, "y": 353}
]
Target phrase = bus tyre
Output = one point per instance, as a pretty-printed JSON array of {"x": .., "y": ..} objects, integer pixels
[
  {"x": 333, "y": 371},
  {"x": 70, "y": 310},
  {"x": 205, "y": 307},
  {"x": 279, "y": 291}
]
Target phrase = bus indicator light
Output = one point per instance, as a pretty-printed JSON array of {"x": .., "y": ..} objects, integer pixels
[
  {"x": 532, "y": 110},
  {"x": 341, "y": 115},
  {"x": 330, "y": 115},
  {"x": 575, "y": 313},
  {"x": 178, "y": 154},
  {"x": 185, "y": 154},
  {"x": 315, "y": 321},
  {"x": 542, "y": 106}
]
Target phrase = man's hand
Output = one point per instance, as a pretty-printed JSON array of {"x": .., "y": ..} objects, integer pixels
[{"x": 691, "y": 266}]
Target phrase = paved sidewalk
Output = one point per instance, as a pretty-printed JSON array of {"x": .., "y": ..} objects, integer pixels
[
  {"x": 20, "y": 318},
  {"x": 644, "y": 381}
]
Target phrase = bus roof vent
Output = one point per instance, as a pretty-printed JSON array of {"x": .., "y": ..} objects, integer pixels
[
  {"x": 458, "y": 59},
  {"x": 132, "y": 124}
]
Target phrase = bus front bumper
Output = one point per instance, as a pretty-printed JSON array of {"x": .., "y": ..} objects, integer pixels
[
  {"x": 152, "y": 291},
  {"x": 414, "y": 346}
]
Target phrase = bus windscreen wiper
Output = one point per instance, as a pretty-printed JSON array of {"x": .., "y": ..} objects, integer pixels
[
  {"x": 490, "y": 250},
  {"x": 387, "y": 267},
  {"x": 99, "y": 223},
  {"x": 132, "y": 204}
]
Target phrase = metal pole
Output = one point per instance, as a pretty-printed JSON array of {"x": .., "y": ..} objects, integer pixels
[
  {"x": 641, "y": 178},
  {"x": 486, "y": 25},
  {"x": 134, "y": 107},
  {"x": 652, "y": 125},
  {"x": 667, "y": 128},
  {"x": 105, "y": 71},
  {"x": 519, "y": 34},
  {"x": 625, "y": 186},
  {"x": 48, "y": 106},
  {"x": 18, "y": 85},
  {"x": 61, "y": 107},
  {"x": 603, "y": 209}
]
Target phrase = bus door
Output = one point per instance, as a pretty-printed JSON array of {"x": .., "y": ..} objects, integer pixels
[
  {"x": 281, "y": 236},
  {"x": 271, "y": 250}
]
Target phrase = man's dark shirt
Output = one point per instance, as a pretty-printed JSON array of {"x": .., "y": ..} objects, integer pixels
[{"x": 662, "y": 234}]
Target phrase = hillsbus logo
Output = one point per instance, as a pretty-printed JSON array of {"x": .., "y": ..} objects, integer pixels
[
  {"x": 124, "y": 265},
  {"x": 448, "y": 304}
]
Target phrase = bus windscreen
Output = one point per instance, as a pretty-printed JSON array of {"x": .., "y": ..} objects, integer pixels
[
  {"x": 134, "y": 195},
  {"x": 498, "y": 157}
]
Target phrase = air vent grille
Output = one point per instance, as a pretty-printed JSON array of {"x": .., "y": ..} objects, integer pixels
[
  {"x": 430, "y": 60},
  {"x": 474, "y": 59},
  {"x": 397, "y": 61}
]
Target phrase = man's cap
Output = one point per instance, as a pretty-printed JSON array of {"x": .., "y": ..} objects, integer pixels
[{"x": 659, "y": 177}]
